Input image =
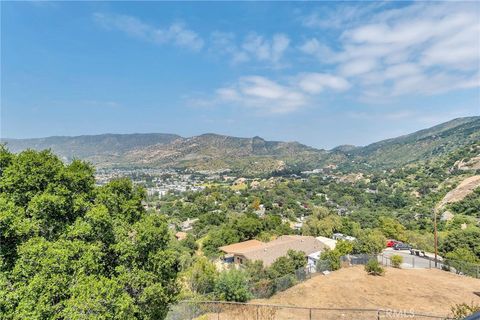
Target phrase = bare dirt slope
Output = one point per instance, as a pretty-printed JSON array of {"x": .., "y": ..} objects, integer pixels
[
  {"x": 423, "y": 290},
  {"x": 461, "y": 191}
]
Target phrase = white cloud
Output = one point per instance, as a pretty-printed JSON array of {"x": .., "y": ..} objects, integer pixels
[
  {"x": 176, "y": 33},
  {"x": 224, "y": 43},
  {"x": 263, "y": 94},
  {"x": 423, "y": 48},
  {"x": 357, "y": 66},
  {"x": 275, "y": 97},
  {"x": 315, "y": 83}
]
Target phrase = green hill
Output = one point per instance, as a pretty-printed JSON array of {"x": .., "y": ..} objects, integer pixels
[
  {"x": 418, "y": 146},
  {"x": 253, "y": 155}
]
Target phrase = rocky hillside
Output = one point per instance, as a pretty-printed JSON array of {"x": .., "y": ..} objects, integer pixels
[
  {"x": 253, "y": 155},
  {"x": 204, "y": 152},
  {"x": 418, "y": 146}
]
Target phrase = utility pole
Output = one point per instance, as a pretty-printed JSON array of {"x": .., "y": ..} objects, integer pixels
[{"x": 435, "y": 237}]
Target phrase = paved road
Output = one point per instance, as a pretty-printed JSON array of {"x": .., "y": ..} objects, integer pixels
[{"x": 409, "y": 261}]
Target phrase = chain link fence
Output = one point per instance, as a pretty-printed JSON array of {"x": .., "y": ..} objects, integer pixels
[
  {"x": 221, "y": 310},
  {"x": 455, "y": 266},
  {"x": 461, "y": 267},
  {"x": 265, "y": 288}
]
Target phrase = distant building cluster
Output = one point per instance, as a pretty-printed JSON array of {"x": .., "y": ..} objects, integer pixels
[{"x": 158, "y": 182}]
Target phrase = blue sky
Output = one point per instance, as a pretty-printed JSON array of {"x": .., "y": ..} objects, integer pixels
[{"x": 322, "y": 73}]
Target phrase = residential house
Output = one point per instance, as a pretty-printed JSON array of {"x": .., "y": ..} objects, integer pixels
[
  {"x": 328, "y": 242},
  {"x": 268, "y": 252},
  {"x": 313, "y": 258}
]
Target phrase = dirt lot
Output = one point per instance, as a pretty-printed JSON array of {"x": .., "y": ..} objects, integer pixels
[{"x": 423, "y": 290}]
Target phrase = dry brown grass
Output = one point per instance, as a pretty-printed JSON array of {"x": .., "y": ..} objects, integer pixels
[{"x": 422, "y": 290}]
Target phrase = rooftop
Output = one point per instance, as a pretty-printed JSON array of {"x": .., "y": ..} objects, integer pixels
[
  {"x": 241, "y": 247},
  {"x": 330, "y": 243},
  {"x": 271, "y": 251}
]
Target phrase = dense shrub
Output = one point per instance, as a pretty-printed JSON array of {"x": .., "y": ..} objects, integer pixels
[
  {"x": 396, "y": 260},
  {"x": 374, "y": 268},
  {"x": 232, "y": 285}
]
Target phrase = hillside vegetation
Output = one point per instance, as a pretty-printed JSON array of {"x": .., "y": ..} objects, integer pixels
[
  {"x": 251, "y": 156},
  {"x": 70, "y": 248},
  {"x": 422, "y": 145}
]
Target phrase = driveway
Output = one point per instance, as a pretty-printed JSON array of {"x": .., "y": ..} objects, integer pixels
[{"x": 409, "y": 261}]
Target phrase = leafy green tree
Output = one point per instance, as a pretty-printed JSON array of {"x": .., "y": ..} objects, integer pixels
[
  {"x": 462, "y": 254},
  {"x": 469, "y": 206},
  {"x": 297, "y": 259},
  {"x": 344, "y": 247},
  {"x": 232, "y": 285},
  {"x": 392, "y": 229},
  {"x": 329, "y": 259},
  {"x": 370, "y": 242},
  {"x": 76, "y": 251},
  {"x": 217, "y": 238},
  {"x": 248, "y": 227},
  {"x": 287, "y": 265},
  {"x": 255, "y": 270},
  {"x": 202, "y": 276},
  {"x": 332, "y": 257},
  {"x": 322, "y": 227},
  {"x": 189, "y": 243},
  {"x": 468, "y": 238},
  {"x": 98, "y": 297}
]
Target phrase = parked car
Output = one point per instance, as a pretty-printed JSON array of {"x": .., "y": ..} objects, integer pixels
[
  {"x": 401, "y": 246},
  {"x": 391, "y": 243}
]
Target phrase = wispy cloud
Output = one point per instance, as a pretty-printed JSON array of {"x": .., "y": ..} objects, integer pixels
[
  {"x": 176, "y": 33},
  {"x": 424, "y": 48},
  {"x": 275, "y": 97},
  {"x": 254, "y": 47},
  {"x": 327, "y": 17}
]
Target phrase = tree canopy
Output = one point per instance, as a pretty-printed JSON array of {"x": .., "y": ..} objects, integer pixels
[{"x": 73, "y": 250}]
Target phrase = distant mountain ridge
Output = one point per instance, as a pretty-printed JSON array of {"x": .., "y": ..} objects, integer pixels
[
  {"x": 420, "y": 145},
  {"x": 251, "y": 155}
]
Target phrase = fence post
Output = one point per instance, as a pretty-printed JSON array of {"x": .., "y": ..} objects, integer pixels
[
  {"x": 310, "y": 314},
  {"x": 429, "y": 264},
  {"x": 257, "y": 311},
  {"x": 378, "y": 314},
  {"x": 413, "y": 262}
]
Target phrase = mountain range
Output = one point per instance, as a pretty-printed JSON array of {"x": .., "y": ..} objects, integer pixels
[{"x": 251, "y": 155}]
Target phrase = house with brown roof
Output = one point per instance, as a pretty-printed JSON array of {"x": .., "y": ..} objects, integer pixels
[{"x": 268, "y": 252}]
